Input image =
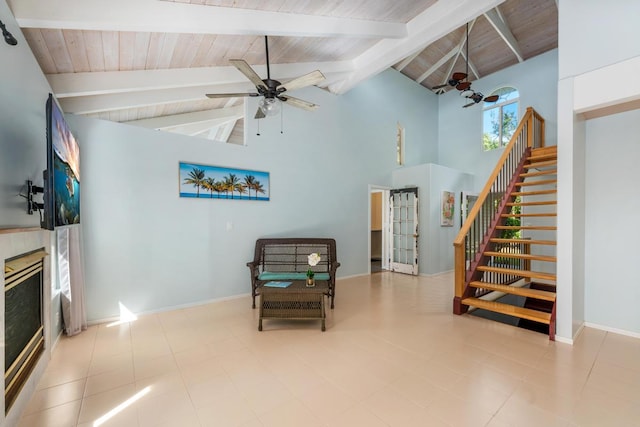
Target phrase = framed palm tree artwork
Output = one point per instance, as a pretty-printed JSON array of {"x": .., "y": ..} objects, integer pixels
[{"x": 217, "y": 182}]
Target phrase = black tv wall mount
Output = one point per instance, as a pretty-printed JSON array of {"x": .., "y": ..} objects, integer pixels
[{"x": 32, "y": 190}]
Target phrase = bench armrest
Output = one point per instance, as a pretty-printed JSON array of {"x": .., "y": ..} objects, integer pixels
[
  {"x": 334, "y": 267},
  {"x": 253, "y": 266}
]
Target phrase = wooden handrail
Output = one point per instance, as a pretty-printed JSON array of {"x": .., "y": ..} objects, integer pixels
[
  {"x": 459, "y": 240},
  {"x": 534, "y": 137}
]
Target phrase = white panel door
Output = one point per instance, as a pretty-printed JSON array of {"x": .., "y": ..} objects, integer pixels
[{"x": 404, "y": 230}]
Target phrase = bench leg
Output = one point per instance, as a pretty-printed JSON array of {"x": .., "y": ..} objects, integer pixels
[{"x": 260, "y": 324}]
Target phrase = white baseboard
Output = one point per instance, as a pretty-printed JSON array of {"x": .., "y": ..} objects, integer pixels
[
  {"x": 436, "y": 274},
  {"x": 612, "y": 330},
  {"x": 572, "y": 340},
  {"x": 353, "y": 276},
  {"x": 564, "y": 340}
]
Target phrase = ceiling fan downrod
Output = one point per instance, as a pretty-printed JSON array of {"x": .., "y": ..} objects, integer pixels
[{"x": 266, "y": 48}]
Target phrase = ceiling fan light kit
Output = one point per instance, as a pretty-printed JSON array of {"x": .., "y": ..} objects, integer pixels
[{"x": 270, "y": 106}]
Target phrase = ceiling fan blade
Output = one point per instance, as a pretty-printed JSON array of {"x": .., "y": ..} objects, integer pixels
[
  {"x": 469, "y": 105},
  {"x": 463, "y": 86},
  {"x": 229, "y": 95},
  {"x": 459, "y": 76},
  {"x": 309, "y": 79},
  {"x": 295, "y": 102},
  {"x": 259, "y": 114},
  {"x": 492, "y": 98},
  {"x": 246, "y": 69}
]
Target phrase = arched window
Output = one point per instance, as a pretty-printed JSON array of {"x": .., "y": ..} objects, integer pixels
[{"x": 500, "y": 119}]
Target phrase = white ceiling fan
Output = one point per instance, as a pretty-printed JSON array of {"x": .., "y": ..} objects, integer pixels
[{"x": 271, "y": 90}]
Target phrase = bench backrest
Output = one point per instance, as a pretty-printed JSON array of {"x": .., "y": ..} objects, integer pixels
[{"x": 290, "y": 254}]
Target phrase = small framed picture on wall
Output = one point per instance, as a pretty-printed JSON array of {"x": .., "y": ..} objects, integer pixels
[{"x": 447, "y": 208}]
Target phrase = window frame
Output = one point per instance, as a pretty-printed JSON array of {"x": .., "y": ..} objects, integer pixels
[{"x": 499, "y": 105}]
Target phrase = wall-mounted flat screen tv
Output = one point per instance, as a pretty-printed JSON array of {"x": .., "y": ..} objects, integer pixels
[{"x": 62, "y": 177}]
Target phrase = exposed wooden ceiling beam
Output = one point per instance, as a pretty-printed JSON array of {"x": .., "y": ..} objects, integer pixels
[
  {"x": 121, "y": 101},
  {"x": 101, "y": 83},
  {"x": 472, "y": 67},
  {"x": 194, "y": 129},
  {"x": 222, "y": 132},
  {"x": 453, "y": 52},
  {"x": 497, "y": 21},
  {"x": 177, "y": 17},
  {"x": 437, "y": 65},
  {"x": 435, "y": 22},
  {"x": 209, "y": 118},
  {"x": 406, "y": 61}
]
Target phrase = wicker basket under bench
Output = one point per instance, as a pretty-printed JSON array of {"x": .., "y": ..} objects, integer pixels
[{"x": 285, "y": 259}]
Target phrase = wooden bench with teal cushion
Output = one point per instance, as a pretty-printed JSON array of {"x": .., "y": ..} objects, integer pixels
[{"x": 281, "y": 259}]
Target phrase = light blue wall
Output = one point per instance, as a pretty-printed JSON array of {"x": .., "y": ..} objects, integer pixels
[
  {"x": 149, "y": 249},
  {"x": 460, "y": 129},
  {"x": 612, "y": 229},
  {"x": 594, "y": 33},
  {"x": 24, "y": 92}
]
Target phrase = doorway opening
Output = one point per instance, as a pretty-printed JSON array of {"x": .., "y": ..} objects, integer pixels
[{"x": 378, "y": 236}]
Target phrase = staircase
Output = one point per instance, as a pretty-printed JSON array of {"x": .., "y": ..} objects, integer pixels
[{"x": 507, "y": 244}]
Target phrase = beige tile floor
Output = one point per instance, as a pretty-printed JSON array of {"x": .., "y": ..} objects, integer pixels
[{"x": 392, "y": 355}]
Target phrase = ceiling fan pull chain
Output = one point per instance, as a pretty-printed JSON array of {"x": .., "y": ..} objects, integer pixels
[
  {"x": 281, "y": 120},
  {"x": 258, "y": 128}
]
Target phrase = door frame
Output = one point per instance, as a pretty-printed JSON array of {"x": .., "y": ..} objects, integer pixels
[{"x": 385, "y": 225}]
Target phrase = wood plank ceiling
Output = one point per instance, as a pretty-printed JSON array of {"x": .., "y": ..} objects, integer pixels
[{"x": 150, "y": 62}]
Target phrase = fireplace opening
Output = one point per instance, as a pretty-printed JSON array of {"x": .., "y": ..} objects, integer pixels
[{"x": 23, "y": 326}]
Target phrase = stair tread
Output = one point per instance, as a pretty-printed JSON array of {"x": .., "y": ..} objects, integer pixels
[
  {"x": 551, "y": 150},
  {"x": 540, "y": 164},
  {"x": 526, "y": 227},
  {"x": 533, "y": 193},
  {"x": 531, "y": 257},
  {"x": 514, "y": 290},
  {"x": 523, "y": 241},
  {"x": 540, "y": 203},
  {"x": 545, "y": 149},
  {"x": 538, "y": 173},
  {"x": 511, "y": 310},
  {"x": 538, "y": 182},
  {"x": 511, "y": 215},
  {"x": 521, "y": 273},
  {"x": 542, "y": 158}
]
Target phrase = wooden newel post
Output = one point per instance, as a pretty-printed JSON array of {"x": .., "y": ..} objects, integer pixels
[{"x": 459, "y": 277}]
